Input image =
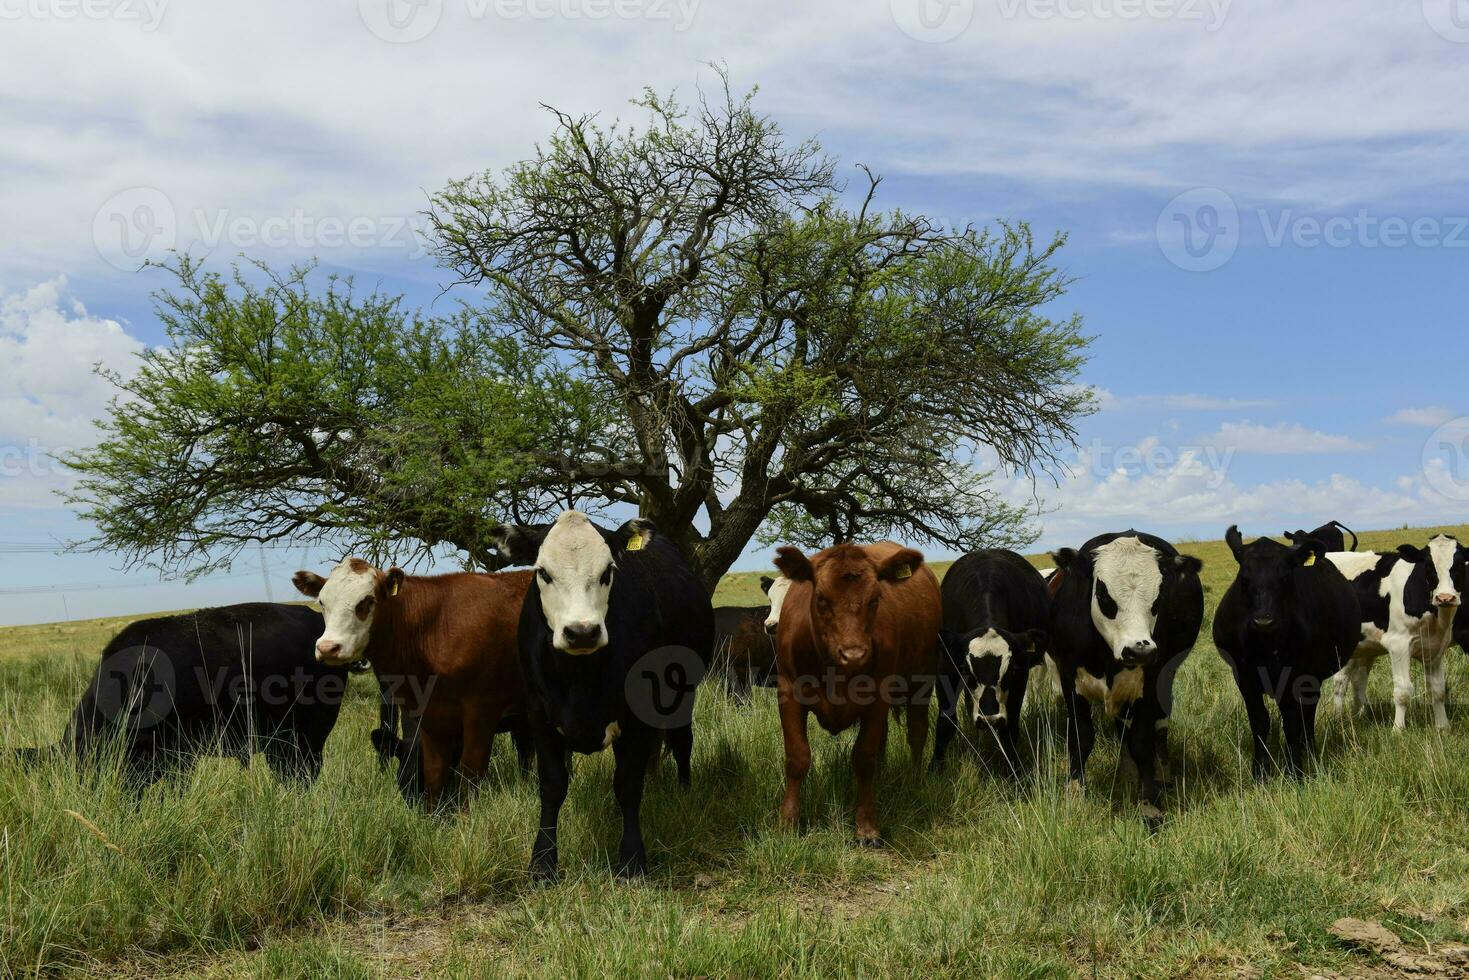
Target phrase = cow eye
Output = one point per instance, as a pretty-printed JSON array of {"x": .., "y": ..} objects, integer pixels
[
  {"x": 545, "y": 575},
  {"x": 1105, "y": 602}
]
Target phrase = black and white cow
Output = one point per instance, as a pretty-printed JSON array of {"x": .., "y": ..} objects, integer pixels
[
  {"x": 614, "y": 634},
  {"x": 1408, "y": 601},
  {"x": 228, "y": 681},
  {"x": 996, "y": 611},
  {"x": 1330, "y": 535},
  {"x": 1127, "y": 611},
  {"x": 1287, "y": 622}
]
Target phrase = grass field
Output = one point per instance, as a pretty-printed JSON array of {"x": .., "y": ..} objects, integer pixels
[{"x": 227, "y": 873}]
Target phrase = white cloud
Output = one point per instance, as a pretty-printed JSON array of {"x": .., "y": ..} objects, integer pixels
[
  {"x": 1282, "y": 438},
  {"x": 1428, "y": 418},
  {"x": 49, "y": 394},
  {"x": 1178, "y": 403}
]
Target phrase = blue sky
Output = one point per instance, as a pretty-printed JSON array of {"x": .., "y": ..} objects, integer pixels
[{"x": 1268, "y": 206}]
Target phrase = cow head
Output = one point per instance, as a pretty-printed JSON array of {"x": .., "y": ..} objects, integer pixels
[
  {"x": 575, "y": 563},
  {"x": 349, "y": 597},
  {"x": 995, "y": 662},
  {"x": 1445, "y": 562},
  {"x": 1130, "y": 581},
  {"x": 1267, "y": 574},
  {"x": 845, "y": 589},
  {"x": 776, "y": 588}
]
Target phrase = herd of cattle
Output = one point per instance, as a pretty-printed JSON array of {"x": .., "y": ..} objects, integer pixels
[{"x": 602, "y": 641}]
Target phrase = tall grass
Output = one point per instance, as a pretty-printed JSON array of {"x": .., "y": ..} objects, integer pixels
[{"x": 226, "y": 871}]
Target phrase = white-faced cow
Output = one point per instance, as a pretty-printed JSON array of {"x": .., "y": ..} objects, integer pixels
[
  {"x": 229, "y": 681},
  {"x": 1287, "y": 622},
  {"x": 776, "y": 589},
  {"x": 614, "y": 635},
  {"x": 996, "y": 612},
  {"x": 1127, "y": 611},
  {"x": 1408, "y": 602},
  {"x": 446, "y": 643}
]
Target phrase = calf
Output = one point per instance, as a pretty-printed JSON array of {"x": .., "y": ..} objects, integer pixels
[
  {"x": 857, "y": 639},
  {"x": 1408, "y": 602},
  {"x": 1126, "y": 612},
  {"x": 228, "y": 681},
  {"x": 1287, "y": 622},
  {"x": 1329, "y": 535},
  {"x": 445, "y": 643},
  {"x": 996, "y": 610},
  {"x": 744, "y": 653},
  {"x": 611, "y": 615}
]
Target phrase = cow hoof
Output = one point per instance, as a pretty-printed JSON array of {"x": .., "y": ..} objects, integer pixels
[
  {"x": 875, "y": 843},
  {"x": 1152, "y": 817},
  {"x": 631, "y": 874},
  {"x": 543, "y": 873}
]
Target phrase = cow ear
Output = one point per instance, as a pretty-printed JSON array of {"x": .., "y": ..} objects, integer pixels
[
  {"x": 1411, "y": 553},
  {"x": 1188, "y": 564},
  {"x": 899, "y": 565},
  {"x": 765, "y": 583},
  {"x": 1234, "y": 540},
  {"x": 793, "y": 564},
  {"x": 1308, "y": 548},
  {"x": 635, "y": 535},
  {"x": 1072, "y": 560},
  {"x": 518, "y": 543},
  {"x": 1039, "y": 641},
  {"x": 308, "y": 583},
  {"x": 393, "y": 581}
]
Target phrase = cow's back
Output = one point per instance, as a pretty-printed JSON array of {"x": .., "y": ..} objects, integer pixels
[{"x": 996, "y": 586}]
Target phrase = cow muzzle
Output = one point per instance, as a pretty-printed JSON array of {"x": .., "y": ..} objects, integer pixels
[
  {"x": 1137, "y": 652},
  {"x": 852, "y": 656},
  {"x": 1446, "y": 599},
  {"x": 581, "y": 638},
  {"x": 330, "y": 653},
  {"x": 1263, "y": 624}
]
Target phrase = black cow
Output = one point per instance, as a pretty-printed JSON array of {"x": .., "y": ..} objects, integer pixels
[
  {"x": 614, "y": 635},
  {"x": 1127, "y": 611},
  {"x": 1288, "y": 621},
  {"x": 227, "y": 681},
  {"x": 996, "y": 610},
  {"x": 1329, "y": 535},
  {"x": 744, "y": 653}
]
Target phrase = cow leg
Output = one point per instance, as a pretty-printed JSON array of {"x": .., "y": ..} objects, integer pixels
[
  {"x": 554, "y": 776},
  {"x": 872, "y": 733},
  {"x": 797, "y": 751},
  {"x": 948, "y": 723},
  {"x": 293, "y": 759},
  {"x": 435, "y": 761},
  {"x": 631, "y": 752},
  {"x": 410, "y": 758},
  {"x": 1009, "y": 731},
  {"x": 1139, "y": 742},
  {"x": 917, "y": 718},
  {"x": 681, "y": 747},
  {"x": 1247, "y": 679},
  {"x": 1433, "y": 673},
  {"x": 525, "y": 747},
  {"x": 385, "y": 737},
  {"x": 1080, "y": 735},
  {"x": 1293, "y": 727},
  {"x": 1399, "y": 655},
  {"x": 1161, "y": 753},
  {"x": 480, "y": 721}
]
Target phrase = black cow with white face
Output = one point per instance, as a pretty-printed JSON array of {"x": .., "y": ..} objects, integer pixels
[
  {"x": 1331, "y": 536},
  {"x": 996, "y": 611},
  {"x": 1127, "y": 611},
  {"x": 606, "y": 605},
  {"x": 230, "y": 681},
  {"x": 1288, "y": 621}
]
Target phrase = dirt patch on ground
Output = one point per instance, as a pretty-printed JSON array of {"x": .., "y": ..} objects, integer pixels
[{"x": 1387, "y": 955}]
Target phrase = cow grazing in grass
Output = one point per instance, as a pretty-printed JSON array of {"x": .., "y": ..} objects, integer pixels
[
  {"x": 446, "y": 645},
  {"x": 1126, "y": 612},
  {"x": 858, "y": 639},
  {"x": 614, "y": 635},
  {"x": 1408, "y": 604},
  {"x": 227, "y": 681},
  {"x": 1329, "y": 535},
  {"x": 996, "y": 612},
  {"x": 1287, "y": 622}
]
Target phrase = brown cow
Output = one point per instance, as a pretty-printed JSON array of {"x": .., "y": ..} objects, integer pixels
[
  {"x": 858, "y": 637},
  {"x": 447, "y": 640}
]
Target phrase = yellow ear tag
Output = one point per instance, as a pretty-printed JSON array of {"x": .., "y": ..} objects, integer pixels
[
  {"x": 904, "y": 571},
  {"x": 395, "y": 587},
  {"x": 635, "y": 543},
  {"x": 1310, "y": 560}
]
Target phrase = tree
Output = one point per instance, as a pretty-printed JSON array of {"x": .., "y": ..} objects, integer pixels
[{"x": 689, "y": 299}]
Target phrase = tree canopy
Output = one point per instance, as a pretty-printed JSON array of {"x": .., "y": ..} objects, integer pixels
[{"x": 691, "y": 315}]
